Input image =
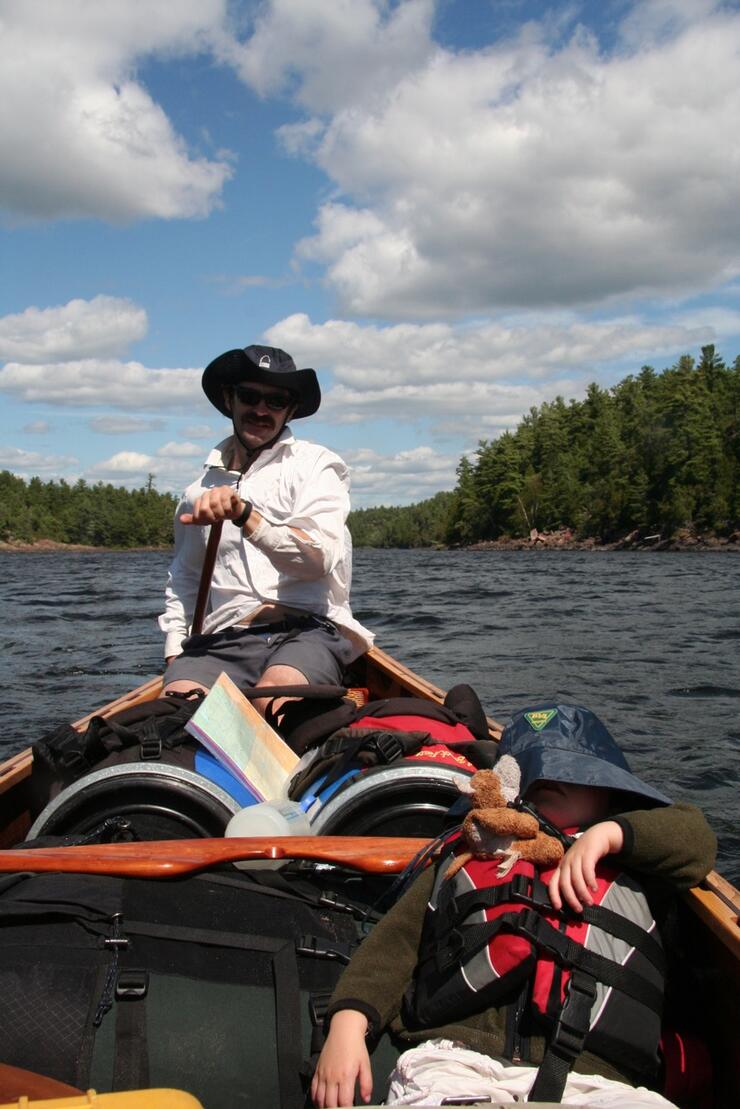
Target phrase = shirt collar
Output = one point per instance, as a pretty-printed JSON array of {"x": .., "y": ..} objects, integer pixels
[{"x": 222, "y": 452}]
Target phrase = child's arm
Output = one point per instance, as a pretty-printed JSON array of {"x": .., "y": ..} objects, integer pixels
[
  {"x": 344, "y": 1061},
  {"x": 672, "y": 843},
  {"x": 368, "y": 996}
]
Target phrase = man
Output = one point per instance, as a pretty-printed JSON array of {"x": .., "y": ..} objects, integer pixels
[{"x": 279, "y": 609}]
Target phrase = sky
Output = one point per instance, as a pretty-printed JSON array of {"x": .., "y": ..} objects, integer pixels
[{"x": 452, "y": 210}]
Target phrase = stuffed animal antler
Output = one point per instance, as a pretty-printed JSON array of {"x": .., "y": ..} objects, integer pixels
[{"x": 492, "y": 830}]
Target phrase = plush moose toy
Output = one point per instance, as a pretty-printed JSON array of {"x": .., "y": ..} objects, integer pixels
[{"x": 492, "y": 830}]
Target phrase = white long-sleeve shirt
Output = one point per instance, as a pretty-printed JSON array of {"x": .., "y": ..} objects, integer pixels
[{"x": 293, "y": 484}]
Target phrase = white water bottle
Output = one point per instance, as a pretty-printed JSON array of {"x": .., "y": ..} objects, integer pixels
[{"x": 268, "y": 818}]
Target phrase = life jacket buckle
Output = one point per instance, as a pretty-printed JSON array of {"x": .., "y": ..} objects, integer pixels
[
  {"x": 529, "y": 923},
  {"x": 574, "y": 1022}
]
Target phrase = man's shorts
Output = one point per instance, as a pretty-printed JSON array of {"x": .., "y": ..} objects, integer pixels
[{"x": 307, "y": 643}]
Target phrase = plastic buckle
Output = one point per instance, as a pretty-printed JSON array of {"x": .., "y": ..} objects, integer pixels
[
  {"x": 151, "y": 748},
  {"x": 522, "y": 888},
  {"x": 529, "y": 923},
  {"x": 335, "y": 744},
  {"x": 388, "y": 747},
  {"x": 318, "y": 1007},
  {"x": 317, "y": 949},
  {"x": 74, "y": 760},
  {"x": 132, "y": 985},
  {"x": 331, "y": 901},
  {"x": 575, "y": 1017}
]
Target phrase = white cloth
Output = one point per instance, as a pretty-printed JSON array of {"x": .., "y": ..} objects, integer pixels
[
  {"x": 293, "y": 484},
  {"x": 442, "y": 1068}
]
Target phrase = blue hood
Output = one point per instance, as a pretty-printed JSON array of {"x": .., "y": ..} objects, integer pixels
[{"x": 568, "y": 743}]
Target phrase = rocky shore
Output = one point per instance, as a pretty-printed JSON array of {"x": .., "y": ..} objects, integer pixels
[
  {"x": 562, "y": 540},
  {"x": 40, "y": 545},
  {"x": 565, "y": 540}
]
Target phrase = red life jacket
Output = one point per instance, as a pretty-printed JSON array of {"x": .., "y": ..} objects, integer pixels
[{"x": 593, "y": 981}]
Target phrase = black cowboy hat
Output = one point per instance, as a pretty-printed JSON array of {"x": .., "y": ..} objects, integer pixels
[{"x": 268, "y": 365}]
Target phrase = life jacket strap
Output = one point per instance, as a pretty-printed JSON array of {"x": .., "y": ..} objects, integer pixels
[
  {"x": 567, "y": 1041},
  {"x": 463, "y": 942},
  {"x": 523, "y": 889}
]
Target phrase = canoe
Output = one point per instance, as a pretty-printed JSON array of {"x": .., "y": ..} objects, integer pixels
[{"x": 710, "y": 914}]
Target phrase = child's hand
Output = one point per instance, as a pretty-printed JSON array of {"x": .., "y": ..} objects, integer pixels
[
  {"x": 575, "y": 878},
  {"x": 344, "y": 1059}
]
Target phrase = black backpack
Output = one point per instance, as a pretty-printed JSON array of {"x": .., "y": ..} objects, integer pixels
[{"x": 217, "y": 984}]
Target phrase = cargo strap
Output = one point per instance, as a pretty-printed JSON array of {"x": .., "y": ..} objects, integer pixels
[
  {"x": 131, "y": 1061},
  {"x": 355, "y": 748}
]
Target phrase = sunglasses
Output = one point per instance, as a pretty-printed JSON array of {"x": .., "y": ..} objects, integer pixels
[{"x": 276, "y": 402}]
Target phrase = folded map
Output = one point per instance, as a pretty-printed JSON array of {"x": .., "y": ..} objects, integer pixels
[{"x": 229, "y": 726}]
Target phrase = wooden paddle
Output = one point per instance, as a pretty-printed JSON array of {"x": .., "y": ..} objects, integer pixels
[
  {"x": 204, "y": 587},
  {"x": 171, "y": 858}
]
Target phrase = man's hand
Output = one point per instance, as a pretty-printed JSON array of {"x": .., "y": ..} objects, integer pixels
[
  {"x": 575, "y": 879},
  {"x": 344, "y": 1059},
  {"x": 221, "y": 503}
]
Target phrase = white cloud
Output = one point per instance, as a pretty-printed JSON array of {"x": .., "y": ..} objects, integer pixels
[
  {"x": 172, "y": 470},
  {"x": 401, "y": 478},
  {"x": 174, "y": 449},
  {"x": 101, "y": 327},
  {"x": 123, "y": 425},
  {"x": 124, "y": 462},
  {"x": 32, "y": 464},
  {"x": 199, "y": 431},
  {"x": 80, "y": 136},
  {"x": 538, "y": 173},
  {"x": 37, "y": 427},
  {"x": 92, "y": 382},
  {"x": 476, "y": 378},
  {"x": 332, "y": 54}
]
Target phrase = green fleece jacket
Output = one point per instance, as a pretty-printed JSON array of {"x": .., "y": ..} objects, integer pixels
[{"x": 667, "y": 849}]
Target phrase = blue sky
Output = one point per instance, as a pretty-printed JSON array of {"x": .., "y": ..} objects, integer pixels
[{"x": 452, "y": 210}]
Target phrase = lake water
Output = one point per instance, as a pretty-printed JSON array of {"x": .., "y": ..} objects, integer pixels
[{"x": 647, "y": 641}]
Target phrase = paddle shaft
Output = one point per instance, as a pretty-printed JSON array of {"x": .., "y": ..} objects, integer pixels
[
  {"x": 171, "y": 858},
  {"x": 204, "y": 587}
]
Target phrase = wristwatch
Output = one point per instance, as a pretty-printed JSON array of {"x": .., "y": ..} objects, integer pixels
[{"x": 243, "y": 516}]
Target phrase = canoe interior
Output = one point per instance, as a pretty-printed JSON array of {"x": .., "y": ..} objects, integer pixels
[{"x": 709, "y": 919}]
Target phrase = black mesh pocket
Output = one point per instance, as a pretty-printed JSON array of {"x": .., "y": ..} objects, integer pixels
[{"x": 45, "y": 1016}]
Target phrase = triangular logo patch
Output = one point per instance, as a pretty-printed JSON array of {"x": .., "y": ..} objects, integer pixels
[{"x": 540, "y": 719}]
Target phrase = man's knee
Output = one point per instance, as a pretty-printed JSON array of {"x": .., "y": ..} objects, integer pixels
[
  {"x": 277, "y": 675},
  {"x": 182, "y": 685}
]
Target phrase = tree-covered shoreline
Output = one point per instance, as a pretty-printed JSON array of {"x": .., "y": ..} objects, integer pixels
[
  {"x": 44, "y": 513},
  {"x": 656, "y": 457},
  {"x": 652, "y": 461}
]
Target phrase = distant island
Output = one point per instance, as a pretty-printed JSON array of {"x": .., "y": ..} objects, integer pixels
[{"x": 653, "y": 462}]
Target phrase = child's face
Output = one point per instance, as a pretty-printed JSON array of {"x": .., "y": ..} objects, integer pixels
[{"x": 569, "y": 806}]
